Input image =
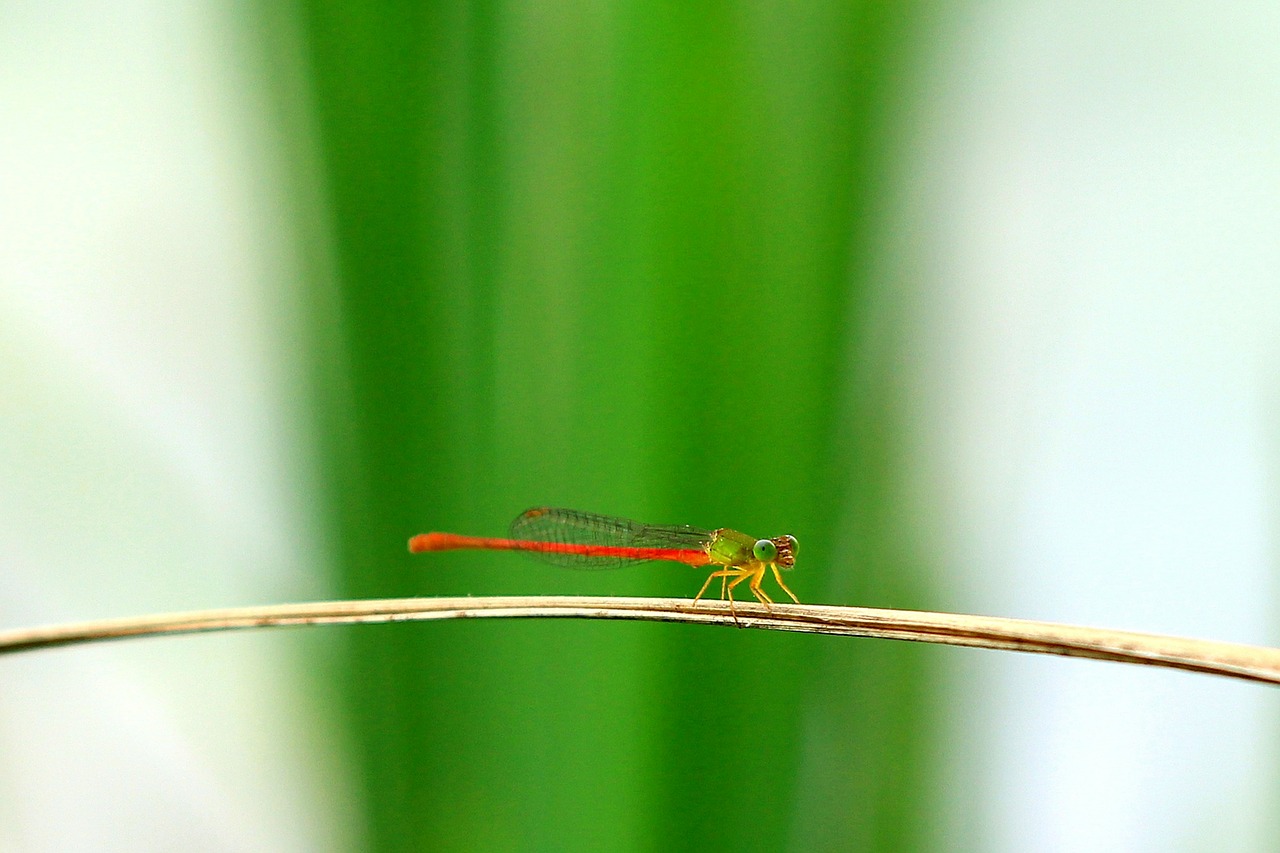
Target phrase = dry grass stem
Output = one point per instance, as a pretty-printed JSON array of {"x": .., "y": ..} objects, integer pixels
[{"x": 1251, "y": 663}]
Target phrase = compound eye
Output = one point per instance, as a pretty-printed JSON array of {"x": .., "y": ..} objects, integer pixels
[{"x": 765, "y": 551}]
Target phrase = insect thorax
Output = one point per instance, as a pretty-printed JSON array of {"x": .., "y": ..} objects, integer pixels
[{"x": 731, "y": 548}]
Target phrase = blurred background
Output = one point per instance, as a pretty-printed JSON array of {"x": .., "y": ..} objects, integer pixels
[{"x": 979, "y": 301}]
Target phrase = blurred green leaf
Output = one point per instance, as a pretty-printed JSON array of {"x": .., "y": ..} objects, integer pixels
[{"x": 614, "y": 257}]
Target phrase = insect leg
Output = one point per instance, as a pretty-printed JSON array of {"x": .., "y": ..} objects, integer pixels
[
  {"x": 722, "y": 573},
  {"x": 778, "y": 577},
  {"x": 754, "y": 586}
]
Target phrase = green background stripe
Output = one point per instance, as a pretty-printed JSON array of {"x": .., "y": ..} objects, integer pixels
[{"x": 619, "y": 257}]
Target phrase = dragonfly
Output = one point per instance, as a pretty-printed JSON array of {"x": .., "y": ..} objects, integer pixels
[{"x": 585, "y": 540}]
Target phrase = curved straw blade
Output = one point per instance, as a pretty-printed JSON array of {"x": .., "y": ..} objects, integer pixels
[{"x": 1251, "y": 663}]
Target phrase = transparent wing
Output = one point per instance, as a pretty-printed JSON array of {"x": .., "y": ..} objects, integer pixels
[{"x": 573, "y": 527}]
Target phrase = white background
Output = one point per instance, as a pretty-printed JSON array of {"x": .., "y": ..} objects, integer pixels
[{"x": 1096, "y": 367}]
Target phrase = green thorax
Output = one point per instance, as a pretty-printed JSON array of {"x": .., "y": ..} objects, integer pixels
[{"x": 731, "y": 548}]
